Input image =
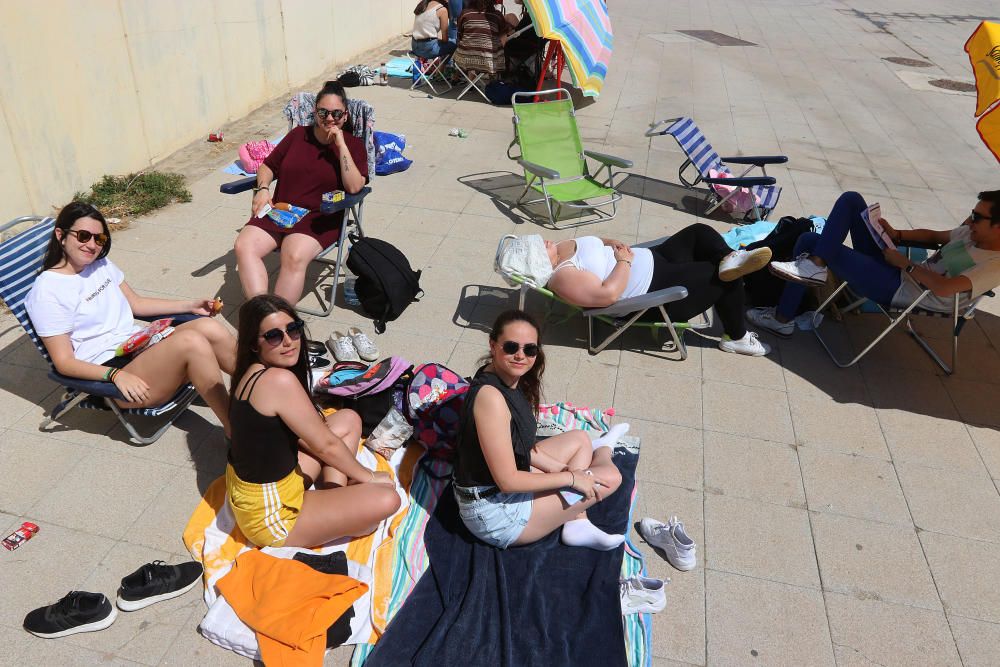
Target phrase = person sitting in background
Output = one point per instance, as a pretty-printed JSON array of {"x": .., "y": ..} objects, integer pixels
[
  {"x": 309, "y": 161},
  {"x": 480, "y": 29},
  {"x": 282, "y": 445},
  {"x": 83, "y": 310},
  {"x": 430, "y": 30},
  {"x": 968, "y": 263},
  {"x": 525, "y": 44},
  {"x": 592, "y": 272}
]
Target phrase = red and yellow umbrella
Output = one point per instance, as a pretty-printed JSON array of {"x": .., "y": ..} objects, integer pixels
[{"x": 983, "y": 47}]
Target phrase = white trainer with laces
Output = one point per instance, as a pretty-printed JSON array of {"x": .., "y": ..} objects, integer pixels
[
  {"x": 671, "y": 538},
  {"x": 363, "y": 344},
  {"x": 342, "y": 347},
  {"x": 800, "y": 270},
  {"x": 749, "y": 345},
  {"x": 741, "y": 262},
  {"x": 764, "y": 318},
  {"x": 642, "y": 595}
]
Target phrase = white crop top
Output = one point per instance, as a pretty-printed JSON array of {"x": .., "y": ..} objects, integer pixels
[
  {"x": 595, "y": 257},
  {"x": 427, "y": 24}
]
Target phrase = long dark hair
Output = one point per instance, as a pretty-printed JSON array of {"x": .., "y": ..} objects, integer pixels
[
  {"x": 73, "y": 211},
  {"x": 531, "y": 382},
  {"x": 252, "y": 313},
  {"x": 422, "y": 6}
]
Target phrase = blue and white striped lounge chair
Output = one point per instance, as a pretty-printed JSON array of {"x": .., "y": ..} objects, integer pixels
[
  {"x": 21, "y": 260},
  {"x": 703, "y": 157}
]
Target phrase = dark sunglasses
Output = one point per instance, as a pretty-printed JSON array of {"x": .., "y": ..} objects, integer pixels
[
  {"x": 274, "y": 337},
  {"x": 511, "y": 347},
  {"x": 977, "y": 216},
  {"x": 326, "y": 113},
  {"x": 82, "y": 235}
]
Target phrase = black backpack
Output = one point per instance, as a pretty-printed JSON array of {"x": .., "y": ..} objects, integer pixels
[{"x": 386, "y": 284}]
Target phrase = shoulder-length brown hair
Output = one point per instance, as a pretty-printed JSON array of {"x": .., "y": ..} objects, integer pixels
[
  {"x": 71, "y": 212},
  {"x": 530, "y": 383},
  {"x": 252, "y": 313}
]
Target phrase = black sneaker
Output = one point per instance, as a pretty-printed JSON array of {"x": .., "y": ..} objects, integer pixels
[
  {"x": 79, "y": 611},
  {"x": 155, "y": 582}
]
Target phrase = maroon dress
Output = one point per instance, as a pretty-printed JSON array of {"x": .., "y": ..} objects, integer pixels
[{"x": 305, "y": 169}]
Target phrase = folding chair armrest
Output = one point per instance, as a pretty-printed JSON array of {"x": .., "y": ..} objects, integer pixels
[
  {"x": 537, "y": 169},
  {"x": 642, "y": 302},
  {"x": 604, "y": 158},
  {"x": 178, "y": 318},
  {"x": 93, "y": 387},
  {"x": 758, "y": 160},
  {"x": 745, "y": 182},
  {"x": 349, "y": 200},
  {"x": 236, "y": 187}
]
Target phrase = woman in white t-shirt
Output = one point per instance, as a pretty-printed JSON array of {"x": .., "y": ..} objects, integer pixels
[
  {"x": 82, "y": 308},
  {"x": 593, "y": 273}
]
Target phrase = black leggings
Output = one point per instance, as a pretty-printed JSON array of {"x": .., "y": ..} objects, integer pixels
[{"x": 690, "y": 258}]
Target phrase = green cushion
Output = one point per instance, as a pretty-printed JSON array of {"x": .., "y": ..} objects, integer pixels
[
  {"x": 549, "y": 137},
  {"x": 581, "y": 190}
]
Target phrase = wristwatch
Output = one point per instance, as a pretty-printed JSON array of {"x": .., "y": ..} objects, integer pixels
[{"x": 909, "y": 268}]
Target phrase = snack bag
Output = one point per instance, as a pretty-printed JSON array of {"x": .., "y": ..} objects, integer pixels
[
  {"x": 285, "y": 215},
  {"x": 158, "y": 329}
]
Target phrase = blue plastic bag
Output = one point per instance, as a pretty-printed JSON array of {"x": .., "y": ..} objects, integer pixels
[
  {"x": 389, "y": 153},
  {"x": 389, "y": 141}
]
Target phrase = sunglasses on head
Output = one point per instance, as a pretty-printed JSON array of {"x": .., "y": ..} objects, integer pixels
[
  {"x": 326, "y": 113},
  {"x": 82, "y": 235},
  {"x": 274, "y": 337},
  {"x": 511, "y": 347}
]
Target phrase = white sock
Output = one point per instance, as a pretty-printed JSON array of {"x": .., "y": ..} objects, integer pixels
[
  {"x": 582, "y": 533},
  {"x": 611, "y": 437}
]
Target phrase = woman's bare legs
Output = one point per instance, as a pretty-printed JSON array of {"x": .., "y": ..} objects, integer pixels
[
  {"x": 185, "y": 356},
  {"x": 548, "y": 511},
  {"x": 297, "y": 250},
  {"x": 346, "y": 425},
  {"x": 252, "y": 245},
  {"x": 219, "y": 337}
]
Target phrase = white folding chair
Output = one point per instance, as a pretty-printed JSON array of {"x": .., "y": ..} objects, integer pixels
[{"x": 426, "y": 69}]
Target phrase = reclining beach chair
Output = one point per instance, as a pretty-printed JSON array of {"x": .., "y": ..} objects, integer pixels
[
  {"x": 299, "y": 111},
  {"x": 959, "y": 317},
  {"x": 555, "y": 163},
  {"x": 619, "y": 316},
  {"x": 21, "y": 260},
  {"x": 703, "y": 158}
]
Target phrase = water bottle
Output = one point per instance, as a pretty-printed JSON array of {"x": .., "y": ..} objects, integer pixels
[
  {"x": 350, "y": 296},
  {"x": 383, "y": 75}
]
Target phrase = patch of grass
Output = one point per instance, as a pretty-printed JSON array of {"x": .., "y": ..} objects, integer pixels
[{"x": 135, "y": 194}]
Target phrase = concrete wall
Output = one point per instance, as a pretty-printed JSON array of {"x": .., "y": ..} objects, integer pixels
[{"x": 94, "y": 87}]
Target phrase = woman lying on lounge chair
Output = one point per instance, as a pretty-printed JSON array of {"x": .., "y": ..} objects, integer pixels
[
  {"x": 83, "y": 309},
  {"x": 591, "y": 272},
  {"x": 281, "y": 443},
  {"x": 507, "y": 487}
]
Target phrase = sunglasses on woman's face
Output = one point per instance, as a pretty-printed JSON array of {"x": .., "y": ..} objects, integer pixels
[
  {"x": 82, "y": 235},
  {"x": 337, "y": 114},
  {"x": 275, "y": 337},
  {"x": 511, "y": 347}
]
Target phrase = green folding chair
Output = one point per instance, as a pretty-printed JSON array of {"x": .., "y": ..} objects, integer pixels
[{"x": 555, "y": 164}]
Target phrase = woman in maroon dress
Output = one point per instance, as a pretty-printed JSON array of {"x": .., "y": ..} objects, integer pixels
[{"x": 309, "y": 161}]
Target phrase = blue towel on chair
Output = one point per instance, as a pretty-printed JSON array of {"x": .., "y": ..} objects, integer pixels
[{"x": 541, "y": 604}]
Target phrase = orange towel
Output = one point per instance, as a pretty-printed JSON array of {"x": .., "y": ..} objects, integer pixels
[{"x": 288, "y": 604}]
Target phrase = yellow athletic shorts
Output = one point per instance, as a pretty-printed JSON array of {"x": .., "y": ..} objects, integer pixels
[{"x": 265, "y": 512}]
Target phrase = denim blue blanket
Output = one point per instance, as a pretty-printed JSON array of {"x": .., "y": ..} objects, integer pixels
[{"x": 541, "y": 604}]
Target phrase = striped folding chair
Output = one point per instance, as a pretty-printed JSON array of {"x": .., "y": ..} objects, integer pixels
[
  {"x": 21, "y": 260},
  {"x": 702, "y": 157}
]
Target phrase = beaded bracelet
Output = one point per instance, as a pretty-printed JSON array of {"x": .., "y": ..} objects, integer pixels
[{"x": 107, "y": 374}]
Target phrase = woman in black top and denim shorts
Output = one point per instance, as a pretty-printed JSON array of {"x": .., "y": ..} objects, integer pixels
[{"x": 507, "y": 487}]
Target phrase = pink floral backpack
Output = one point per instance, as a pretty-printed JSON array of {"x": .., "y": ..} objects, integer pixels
[
  {"x": 434, "y": 401},
  {"x": 740, "y": 203}
]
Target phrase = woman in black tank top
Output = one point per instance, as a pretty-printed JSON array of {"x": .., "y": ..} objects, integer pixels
[
  {"x": 507, "y": 487},
  {"x": 277, "y": 429}
]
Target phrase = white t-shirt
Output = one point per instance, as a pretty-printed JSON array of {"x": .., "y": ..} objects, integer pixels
[
  {"x": 89, "y": 306},
  {"x": 593, "y": 256},
  {"x": 958, "y": 257}
]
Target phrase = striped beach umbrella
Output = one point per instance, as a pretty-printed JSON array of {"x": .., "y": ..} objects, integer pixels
[{"x": 583, "y": 28}]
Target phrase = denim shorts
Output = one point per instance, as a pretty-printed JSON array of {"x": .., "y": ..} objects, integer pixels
[{"x": 498, "y": 520}]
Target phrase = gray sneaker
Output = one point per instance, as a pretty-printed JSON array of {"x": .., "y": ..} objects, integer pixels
[
  {"x": 642, "y": 595},
  {"x": 764, "y": 318},
  {"x": 671, "y": 538}
]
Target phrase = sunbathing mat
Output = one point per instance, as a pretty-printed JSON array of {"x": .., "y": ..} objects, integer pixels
[
  {"x": 426, "y": 479},
  {"x": 214, "y": 539}
]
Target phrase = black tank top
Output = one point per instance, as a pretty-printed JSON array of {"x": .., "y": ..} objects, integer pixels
[
  {"x": 263, "y": 449},
  {"x": 470, "y": 464}
]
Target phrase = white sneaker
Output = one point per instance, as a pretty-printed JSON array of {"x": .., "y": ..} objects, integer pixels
[
  {"x": 764, "y": 318},
  {"x": 800, "y": 270},
  {"x": 642, "y": 595},
  {"x": 363, "y": 344},
  {"x": 342, "y": 347},
  {"x": 671, "y": 538},
  {"x": 749, "y": 345},
  {"x": 741, "y": 262}
]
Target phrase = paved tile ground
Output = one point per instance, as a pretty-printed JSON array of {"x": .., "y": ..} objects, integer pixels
[{"x": 844, "y": 517}]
